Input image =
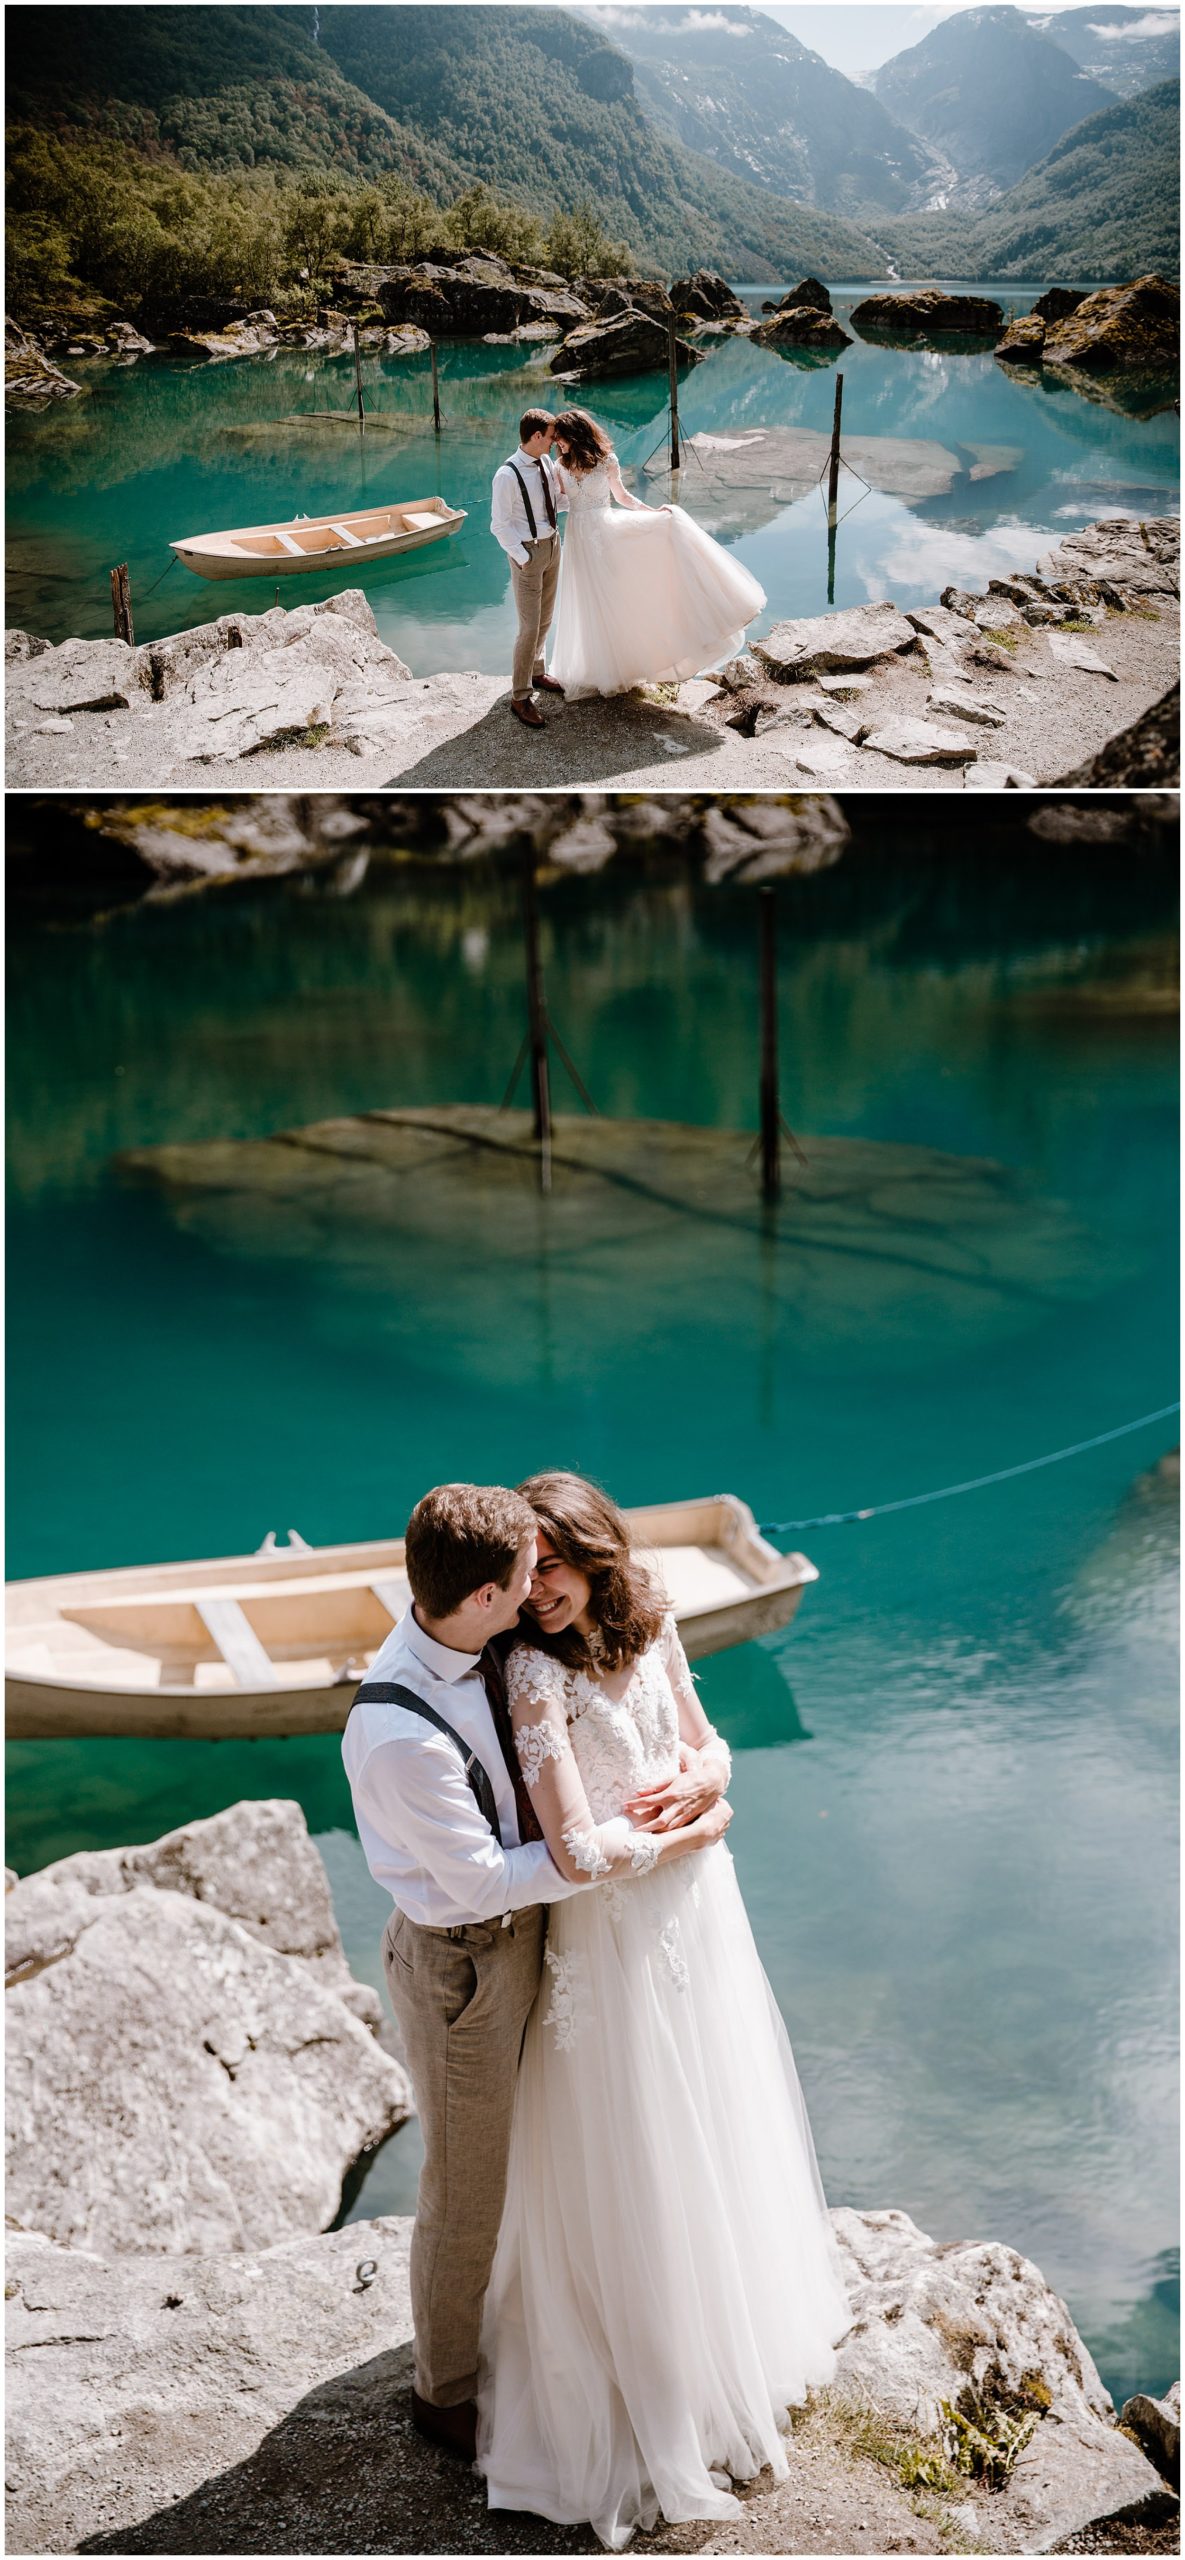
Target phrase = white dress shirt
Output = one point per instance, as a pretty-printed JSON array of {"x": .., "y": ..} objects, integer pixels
[
  {"x": 509, "y": 522},
  {"x": 423, "y": 1833}
]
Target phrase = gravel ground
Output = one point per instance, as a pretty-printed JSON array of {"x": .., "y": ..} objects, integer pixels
[{"x": 455, "y": 733}]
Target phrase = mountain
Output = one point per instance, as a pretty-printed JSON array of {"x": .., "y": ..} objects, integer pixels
[
  {"x": 989, "y": 93},
  {"x": 1127, "y": 49},
  {"x": 216, "y": 89},
  {"x": 527, "y": 99},
  {"x": 1102, "y": 203},
  {"x": 735, "y": 85},
  {"x": 540, "y": 105}
]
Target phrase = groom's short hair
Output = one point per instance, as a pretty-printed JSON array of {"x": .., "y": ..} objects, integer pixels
[
  {"x": 534, "y": 422},
  {"x": 461, "y": 1536}
]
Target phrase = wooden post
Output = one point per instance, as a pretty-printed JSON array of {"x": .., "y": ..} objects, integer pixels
[
  {"x": 435, "y": 393},
  {"x": 121, "y": 604},
  {"x": 771, "y": 1118},
  {"x": 358, "y": 381},
  {"x": 537, "y": 1027},
  {"x": 673, "y": 377},
  {"x": 833, "y": 472}
]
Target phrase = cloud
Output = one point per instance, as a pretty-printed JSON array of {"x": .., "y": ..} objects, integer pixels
[{"x": 1157, "y": 23}]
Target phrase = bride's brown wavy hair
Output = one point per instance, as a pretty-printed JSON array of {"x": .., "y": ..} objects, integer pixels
[
  {"x": 582, "y": 444},
  {"x": 588, "y": 1531}
]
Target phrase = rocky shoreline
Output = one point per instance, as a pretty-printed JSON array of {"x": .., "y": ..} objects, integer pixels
[
  {"x": 1024, "y": 686},
  {"x": 609, "y": 325},
  {"x": 197, "y": 2364}
]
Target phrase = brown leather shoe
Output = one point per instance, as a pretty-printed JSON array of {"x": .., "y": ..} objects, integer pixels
[
  {"x": 549, "y": 684},
  {"x": 529, "y": 713},
  {"x": 455, "y": 2428}
]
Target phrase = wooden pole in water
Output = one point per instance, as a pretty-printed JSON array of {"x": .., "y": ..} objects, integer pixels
[
  {"x": 121, "y": 604},
  {"x": 435, "y": 393},
  {"x": 833, "y": 488},
  {"x": 358, "y": 381},
  {"x": 537, "y": 1027},
  {"x": 833, "y": 471},
  {"x": 673, "y": 379},
  {"x": 771, "y": 1117}
]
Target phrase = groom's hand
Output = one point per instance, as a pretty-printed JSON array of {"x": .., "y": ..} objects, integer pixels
[{"x": 677, "y": 1800}]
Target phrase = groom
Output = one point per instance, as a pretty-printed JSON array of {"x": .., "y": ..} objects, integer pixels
[
  {"x": 446, "y": 1825},
  {"x": 526, "y": 506}
]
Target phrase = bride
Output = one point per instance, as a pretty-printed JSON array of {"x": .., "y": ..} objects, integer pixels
[
  {"x": 666, "y": 2281},
  {"x": 645, "y": 596}
]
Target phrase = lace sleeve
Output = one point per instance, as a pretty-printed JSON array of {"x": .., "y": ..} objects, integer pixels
[
  {"x": 537, "y": 1687},
  {"x": 694, "y": 1727}
]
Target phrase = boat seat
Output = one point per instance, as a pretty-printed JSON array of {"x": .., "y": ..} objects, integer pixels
[
  {"x": 355, "y": 539},
  {"x": 421, "y": 519},
  {"x": 393, "y": 1597},
  {"x": 289, "y": 544},
  {"x": 237, "y": 1642}
]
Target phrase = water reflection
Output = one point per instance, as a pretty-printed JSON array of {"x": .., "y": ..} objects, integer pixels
[{"x": 159, "y": 449}]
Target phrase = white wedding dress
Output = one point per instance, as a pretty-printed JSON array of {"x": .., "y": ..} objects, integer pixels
[
  {"x": 666, "y": 2279},
  {"x": 644, "y": 597}
]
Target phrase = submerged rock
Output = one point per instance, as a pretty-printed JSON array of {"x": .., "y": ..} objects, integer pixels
[
  {"x": 173, "y": 2082},
  {"x": 968, "y": 315}
]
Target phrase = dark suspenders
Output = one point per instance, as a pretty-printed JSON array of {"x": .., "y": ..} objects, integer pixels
[
  {"x": 526, "y": 501},
  {"x": 390, "y": 1693}
]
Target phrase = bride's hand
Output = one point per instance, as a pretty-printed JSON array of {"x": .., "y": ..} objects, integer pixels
[{"x": 672, "y": 1802}]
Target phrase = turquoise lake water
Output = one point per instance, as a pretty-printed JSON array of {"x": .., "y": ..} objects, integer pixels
[
  {"x": 159, "y": 449},
  {"x": 955, "y": 1774}
]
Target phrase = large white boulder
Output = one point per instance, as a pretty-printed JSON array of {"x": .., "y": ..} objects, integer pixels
[
  {"x": 936, "y": 2320},
  {"x": 178, "y": 2077}
]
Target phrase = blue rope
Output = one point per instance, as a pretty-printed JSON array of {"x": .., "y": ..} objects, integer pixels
[{"x": 974, "y": 1484}]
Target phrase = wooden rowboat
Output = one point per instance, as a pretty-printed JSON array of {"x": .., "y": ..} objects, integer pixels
[
  {"x": 277, "y": 1642},
  {"x": 320, "y": 542}
]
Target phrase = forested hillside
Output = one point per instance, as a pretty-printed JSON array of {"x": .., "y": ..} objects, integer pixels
[{"x": 1104, "y": 202}]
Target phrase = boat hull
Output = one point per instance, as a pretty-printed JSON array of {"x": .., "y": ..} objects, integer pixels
[
  {"x": 202, "y": 554},
  {"x": 59, "y": 1705}
]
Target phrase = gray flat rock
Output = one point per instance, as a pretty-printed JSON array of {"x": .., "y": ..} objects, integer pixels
[
  {"x": 952, "y": 630},
  {"x": 997, "y": 777},
  {"x": 1074, "y": 653},
  {"x": 846, "y": 685},
  {"x": 916, "y": 742},
  {"x": 959, "y": 705},
  {"x": 831, "y": 642},
  {"x": 81, "y": 675}
]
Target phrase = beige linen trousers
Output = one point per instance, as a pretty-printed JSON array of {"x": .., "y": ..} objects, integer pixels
[
  {"x": 462, "y": 1997},
  {"x": 534, "y": 590}
]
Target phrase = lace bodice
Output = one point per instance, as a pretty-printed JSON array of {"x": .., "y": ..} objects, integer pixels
[
  {"x": 618, "y": 1744},
  {"x": 587, "y": 490}
]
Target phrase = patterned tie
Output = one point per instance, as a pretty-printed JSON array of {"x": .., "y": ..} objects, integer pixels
[
  {"x": 494, "y": 1676},
  {"x": 548, "y": 500}
]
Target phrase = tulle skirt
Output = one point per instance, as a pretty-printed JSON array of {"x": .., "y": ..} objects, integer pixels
[
  {"x": 666, "y": 2280},
  {"x": 645, "y": 599}
]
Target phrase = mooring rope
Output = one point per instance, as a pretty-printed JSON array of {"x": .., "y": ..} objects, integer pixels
[{"x": 974, "y": 1484}]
